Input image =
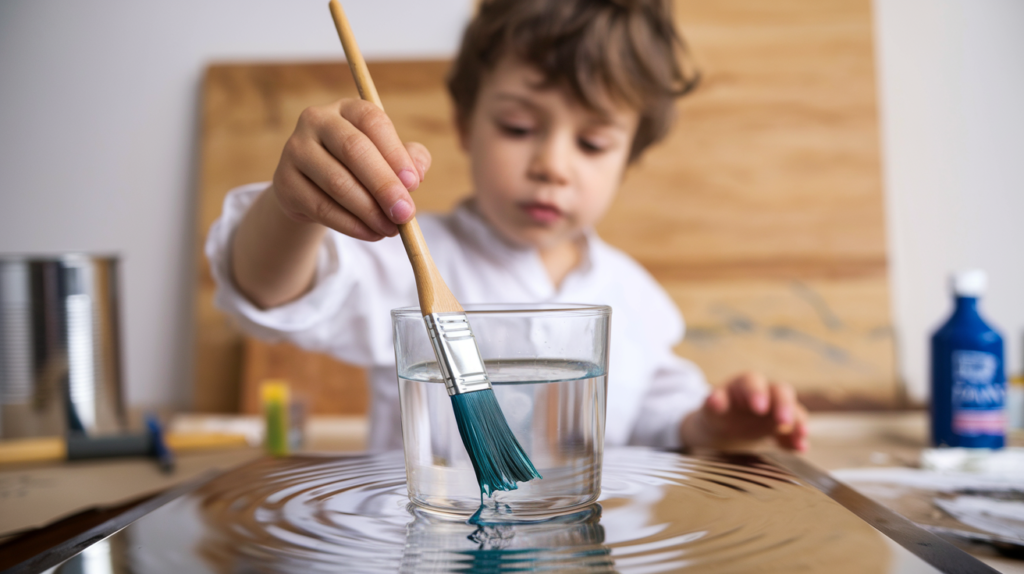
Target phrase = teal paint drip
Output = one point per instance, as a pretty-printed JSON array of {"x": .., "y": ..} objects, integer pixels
[{"x": 498, "y": 459}]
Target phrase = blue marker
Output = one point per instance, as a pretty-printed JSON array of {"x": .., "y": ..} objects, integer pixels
[
  {"x": 968, "y": 376},
  {"x": 158, "y": 447}
]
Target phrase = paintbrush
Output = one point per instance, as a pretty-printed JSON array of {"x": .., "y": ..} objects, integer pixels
[{"x": 498, "y": 459}]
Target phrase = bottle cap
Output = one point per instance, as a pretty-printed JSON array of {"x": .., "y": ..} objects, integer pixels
[{"x": 970, "y": 283}]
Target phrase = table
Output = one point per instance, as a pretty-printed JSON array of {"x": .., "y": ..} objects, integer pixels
[{"x": 839, "y": 440}]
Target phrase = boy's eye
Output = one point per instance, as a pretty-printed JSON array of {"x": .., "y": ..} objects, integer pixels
[
  {"x": 514, "y": 130},
  {"x": 590, "y": 146}
]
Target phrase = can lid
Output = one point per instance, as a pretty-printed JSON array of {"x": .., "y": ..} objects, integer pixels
[{"x": 970, "y": 282}]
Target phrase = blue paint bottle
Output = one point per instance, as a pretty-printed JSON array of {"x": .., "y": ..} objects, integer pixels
[{"x": 968, "y": 378}]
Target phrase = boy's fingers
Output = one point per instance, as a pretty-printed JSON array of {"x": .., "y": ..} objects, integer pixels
[
  {"x": 308, "y": 201},
  {"x": 783, "y": 403},
  {"x": 796, "y": 440},
  {"x": 420, "y": 156},
  {"x": 795, "y": 436},
  {"x": 751, "y": 390},
  {"x": 377, "y": 182},
  {"x": 377, "y": 127},
  {"x": 802, "y": 433},
  {"x": 717, "y": 402},
  {"x": 362, "y": 157},
  {"x": 338, "y": 182},
  {"x": 802, "y": 420},
  {"x": 372, "y": 121}
]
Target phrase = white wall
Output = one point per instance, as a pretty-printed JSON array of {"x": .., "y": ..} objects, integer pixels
[
  {"x": 98, "y": 132},
  {"x": 952, "y": 98}
]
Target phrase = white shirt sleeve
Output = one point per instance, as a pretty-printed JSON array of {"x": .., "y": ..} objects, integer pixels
[
  {"x": 678, "y": 388},
  {"x": 675, "y": 386},
  {"x": 341, "y": 315}
]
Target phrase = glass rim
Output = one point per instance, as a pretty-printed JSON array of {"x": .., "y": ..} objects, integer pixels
[{"x": 542, "y": 309}]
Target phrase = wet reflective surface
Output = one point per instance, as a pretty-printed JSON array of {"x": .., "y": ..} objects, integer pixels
[{"x": 658, "y": 512}]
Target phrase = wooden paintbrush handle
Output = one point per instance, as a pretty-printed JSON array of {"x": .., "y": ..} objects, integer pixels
[
  {"x": 356, "y": 63},
  {"x": 434, "y": 295}
]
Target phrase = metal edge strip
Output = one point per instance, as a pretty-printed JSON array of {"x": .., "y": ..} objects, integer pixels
[
  {"x": 925, "y": 545},
  {"x": 62, "y": 552}
]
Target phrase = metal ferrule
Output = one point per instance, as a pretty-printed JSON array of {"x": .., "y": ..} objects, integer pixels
[{"x": 455, "y": 347}]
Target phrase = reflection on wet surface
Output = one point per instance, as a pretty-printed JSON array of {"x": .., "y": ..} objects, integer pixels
[{"x": 658, "y": 512}]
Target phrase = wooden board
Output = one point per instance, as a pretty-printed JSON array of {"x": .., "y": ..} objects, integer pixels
[{"x": 761, "y": 214}]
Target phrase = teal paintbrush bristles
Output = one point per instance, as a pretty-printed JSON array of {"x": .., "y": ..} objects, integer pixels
[{"x": 498, "y": 459}]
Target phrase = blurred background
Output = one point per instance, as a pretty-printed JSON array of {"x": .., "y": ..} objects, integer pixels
[{"x": 100, "y": 132}]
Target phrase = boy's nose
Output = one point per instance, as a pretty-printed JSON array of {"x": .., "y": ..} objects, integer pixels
[{"x": 550, "y": 161}]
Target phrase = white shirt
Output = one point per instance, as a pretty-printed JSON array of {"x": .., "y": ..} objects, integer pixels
[{"x": 347, "y": 313}]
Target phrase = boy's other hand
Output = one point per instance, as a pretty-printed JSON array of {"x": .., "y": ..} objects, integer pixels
[
  {"x": 747, "y": 408},
  {"x": 346, "y": 168}
]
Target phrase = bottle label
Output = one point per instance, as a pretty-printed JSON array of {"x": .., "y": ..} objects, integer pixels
[{"x": 978, "y": 394}]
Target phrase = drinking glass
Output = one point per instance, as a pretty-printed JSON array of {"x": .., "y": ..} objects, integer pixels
[{"x": 548, "y": 366}]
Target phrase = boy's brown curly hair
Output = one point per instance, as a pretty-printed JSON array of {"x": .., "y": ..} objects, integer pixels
[{"x": 626, "y": 49}]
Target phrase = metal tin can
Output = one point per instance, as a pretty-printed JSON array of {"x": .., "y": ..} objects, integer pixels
[{"x": 60, "y": 362}]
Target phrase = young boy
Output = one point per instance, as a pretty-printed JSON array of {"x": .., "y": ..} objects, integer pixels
[{"x": 553, "y": 99}]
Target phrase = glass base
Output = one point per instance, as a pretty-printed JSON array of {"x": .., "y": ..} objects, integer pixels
[{"x": 493, "y": 510}]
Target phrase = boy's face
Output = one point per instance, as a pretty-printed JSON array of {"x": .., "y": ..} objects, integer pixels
[{"x": 543, "y": 166}]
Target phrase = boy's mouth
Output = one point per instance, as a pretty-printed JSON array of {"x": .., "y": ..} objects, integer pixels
[{"x": 544, "y": 213}]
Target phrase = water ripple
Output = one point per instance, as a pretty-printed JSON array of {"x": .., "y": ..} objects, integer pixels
[{"x": 658, "y": 512}]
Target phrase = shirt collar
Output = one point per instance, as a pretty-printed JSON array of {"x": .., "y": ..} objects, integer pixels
[
  {"x": 474, "y": 229},
  {"x": 471, "y": 226}
]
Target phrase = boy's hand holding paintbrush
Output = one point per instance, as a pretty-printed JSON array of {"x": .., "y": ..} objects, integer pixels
[{"x": 343, "y": 168}]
